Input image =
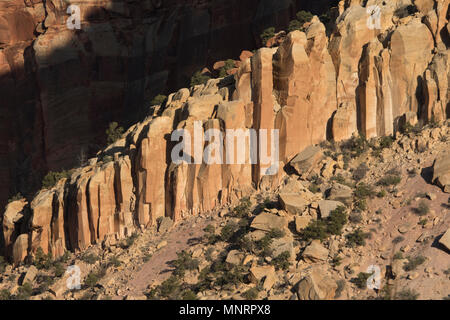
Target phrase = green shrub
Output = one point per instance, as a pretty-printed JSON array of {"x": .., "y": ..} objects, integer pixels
[
  {"x": 267, "y": 34},
  {"x": 357, "y": 238},
  {"x": 340, "y": 288},
  {"x": 413, "y": 263},
  {"x": 95, "y": 276},
  {"x": 114, "y": 261},
  {"x": 5, "y": 294},
  {"x": 281, "y": 262},
  {"x": 361, "y": 280},
  {"x": 16, "y": 197},
  {"x": 114, "y": 132},
  {"x": 407, "y": 294},
  {"x": 24, "y": 292},
  {"x": 398, "y": 256},
  {"x": 422, "y": 209},
  {"x": 364, "y": 191},
  {"x": 199, "y": 78},
  {"x": 389, "y": 180},
  {"x": 356, "y": 146},
  {"x": 229, "y": 64},
  {"x": 321, "y": 229},
  {"x": 159, "y": 100},
  {"x": 89, "y": 258},
  {"x": 304, "y": 16},
  {"x": 243, "y": 209},
  {"x": 41, "y": 260},
  {"x": 189, "y": 295},
  {"x": 294, "y": 25},
  {"x": 360, "y": 172},
  {"x": 336, "y": 220},
  {"x": 59, "y": 269},
  {"x": 52, "y": 178},
  {"x": 251, "y": 294},
  {"x": 183, "y": 263}
]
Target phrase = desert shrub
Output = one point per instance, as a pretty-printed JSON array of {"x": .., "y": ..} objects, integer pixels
[
  {"x": 52, "y": 178},
  {"x": 398, "y": 256},
  {"x": 114, "y": 261},
  {"x": 114, "y": 132},
  {"x": 413, "y": 263},
  {"x": 89, "y": 258},
  {"x": 267, "y": 34},
  {"x": 95, "y": 276},
  {"x": 251, "y": 294},
  {"x": 189, "y": 295},
  {"x": 361, "y": 280},
  {"x": 128, "y": 242},
  {"x": 232, "y": 276},
  {"x": 59, "y": 269},
  {"x": 357, "y": 238},
  {"x": 360, "y": 205},
  {"x": 389, "y": 180},
  {"x": 336, "y": 261},
  {"x": 304, "y": 16},
  {"x": 360, "y": 172},
  {"x": 398, "y": 239},
  {"x": 364, "y": 191},
  {"x": 407, "y": 294},
  {"x": 199, "y": 78},
  {"x": 229, "y": 64},
  {"x": 158, "y": 100},
  {"x": 24, "y": 292},
  {"x": 321, "y": 229},
  {"x": 294, "y": 25},
  {"x": 386, "y": 142},
  {"x": 41, "y": 260},
  {"x": 282, "y": 261},
  {"x": 355, "y": 217},
  {"x": 422, "y": 208},
  {"x": 15, "y": 197},
  {"x": 242, "y": 209},
  {"x": 340, "y": 288},
  {"x": 5, "y": 294},
  {"x": 183, "y": 263},
  {"x": 228, "y": 231},
  {"x": 168, "y": 289},
  {"x": 355, "y": 146}
]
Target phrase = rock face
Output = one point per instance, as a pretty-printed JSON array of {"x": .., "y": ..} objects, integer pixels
[
  {"x": 60, "y": 87},
  {"x": 441, "y": 171},
  {"x": 310, "y": 88},
  {"x": 316, "y": 286}
]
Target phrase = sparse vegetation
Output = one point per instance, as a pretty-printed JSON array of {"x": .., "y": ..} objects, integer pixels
[
  {"x": 422, "y": 209},
  {"x": 361, "y": 280},
  {"x": 413, "y": 263},
  {"x": 321, "y": 229},
  {"x": 114, "y": 132},
  {"x": 267, "y": 34},
  {"x": 159, "y": 100},
  {"x": 199, "y": 78},
  {"x": 52, "y": 178},
  {"x": 17, "y": 196},
  {"x": 407, "y": 294},
  {"x": 229, "y": 64},
  {"x": 357, "y": 238}
]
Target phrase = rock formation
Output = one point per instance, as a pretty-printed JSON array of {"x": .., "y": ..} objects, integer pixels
[{"x": 310, "y": 88}]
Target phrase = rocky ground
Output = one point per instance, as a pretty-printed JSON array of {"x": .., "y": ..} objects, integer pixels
[{"x": 342, "y": 209}]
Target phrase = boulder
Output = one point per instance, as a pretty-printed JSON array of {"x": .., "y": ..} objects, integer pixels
[
  {"x": 445, "y": 239},
  {"x": 315, "y": 252},
  {"x": 234, "y": 257},
  {"x": 281, "y": 245},
  {"x": 165, "y": 225},
  {"x": 258, "y": 273},
  {"x": 441, "y": 171},
  {"x": 20, "y": 248},
  {"x": 301, "y": 222},
  {"x": 305, "y": 161},
  {"x": 30, "y": 275},
  {"x": 340, "y": 192},
  {"x": 326, "y": 206},
  {"x": 316, "y": 286},
  {"x": 293, "y": 203},
  {"x": 267, "y": 221}
]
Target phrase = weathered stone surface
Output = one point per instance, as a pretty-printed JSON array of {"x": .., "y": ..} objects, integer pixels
[
  {"x": 258, "y": 273},
  {"x": 293, "y": 203},
  {"x": 301, "y": 222},
  {"x": 326, "y": 206},
  {"x": 316, "y": 286},
  {"x": 441, "y": 170},
  {"x": 445, "y": 239},
  {"x": 165, "y": 225},
  {"x": 234, "y": 257},
  {"x": 267, "y": 221},
  {"x": 305, "y": 160},
  {"x": 30, "y": 275},
  {"x": 341, "y": 193},
  {"x": 315, "y": 252}
]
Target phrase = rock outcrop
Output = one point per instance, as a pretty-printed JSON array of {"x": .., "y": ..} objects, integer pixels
[{"x": 310, "y": 88}]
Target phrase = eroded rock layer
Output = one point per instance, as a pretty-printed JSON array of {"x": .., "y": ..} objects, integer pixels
[{"x": 311, "y": 88}]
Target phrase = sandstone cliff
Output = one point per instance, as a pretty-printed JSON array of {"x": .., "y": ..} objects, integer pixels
[
  {"x": 60, "y": 88},
  {"x": 311, "y": 88}
]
